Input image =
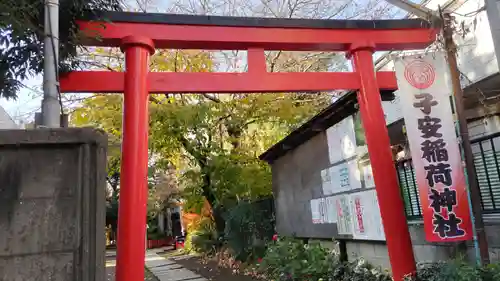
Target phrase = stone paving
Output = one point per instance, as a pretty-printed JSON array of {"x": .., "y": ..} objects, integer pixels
[
  {"x": 167, "y": 270},
  {"x": 161, "y": 269},
  {"x": 111, "y": 267}
]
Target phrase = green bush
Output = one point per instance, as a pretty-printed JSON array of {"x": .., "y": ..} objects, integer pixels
[
  {"x": 358, "y": 270},
  {"x": 249, "y": 227},
  {"x": 291, "y": 259},
  {"x": 202, "y": 238},
  {"x": 288, "y": 259},
  {"x": 457, "y": 270}
]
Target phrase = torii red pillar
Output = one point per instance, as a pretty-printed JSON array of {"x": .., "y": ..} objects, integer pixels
[
  {"x": 134, "y": 162},
  {"x": 135, "y": 34},
  {"x": 399, "y": 244}
]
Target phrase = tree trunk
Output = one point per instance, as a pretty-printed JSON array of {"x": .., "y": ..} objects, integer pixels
[{"x": 217, "y": 208}]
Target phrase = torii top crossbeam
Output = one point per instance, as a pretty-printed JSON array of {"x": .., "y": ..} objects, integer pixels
[
  {"x": 139, "y": 33},
  {"x": 170, "y": 31},
  {"x": 254, "y": 35}
]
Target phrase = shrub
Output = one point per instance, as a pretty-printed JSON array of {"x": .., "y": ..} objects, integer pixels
[
  {"x": 288, "y": 259},
  {"x": 358, "y": 270},
  {"x": 202, "y": 236},
  {"x": 249, "y": 226},
  {"x": 490, "y": 272},
  {"x": 291, "y": 259},
  {"x": 457, "y": 270}
]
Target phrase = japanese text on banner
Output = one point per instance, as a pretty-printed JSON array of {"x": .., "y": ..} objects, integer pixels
[{"x": 425, "y": 99}]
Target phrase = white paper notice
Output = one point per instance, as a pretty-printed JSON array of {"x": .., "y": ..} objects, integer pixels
[
  {"x": 343, "y": 177},
  {"x": 315, "y": 211},
  {"x": 367, "y": 222},
  {"x": 341, "y": 140},
  {"x": 326, "y": 182},
  {"x": 368, "y": 176},
  {"x": 344, "y": 217},
  {"x": 331, "y": 210}
]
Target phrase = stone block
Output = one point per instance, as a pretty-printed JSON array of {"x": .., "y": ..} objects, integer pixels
[
  {"x": 380, "y": 250},
  {"x": 51, "y": 221},
  {"x": 382, "y": 263},
  {"x": 353, "y": 250},
  {"x": 38, "y": 267},
  {"x": 495, "y": 254},
  {"x": 26, "y": 171},
  {"x": 417, "y": 234},
  {"x": 52, "y": 204},
  {"x": 493, "y": 234},
  {"x": 430, "y": 253}
]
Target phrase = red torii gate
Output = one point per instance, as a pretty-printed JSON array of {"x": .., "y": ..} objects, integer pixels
[{"x": 138, "y": 34}]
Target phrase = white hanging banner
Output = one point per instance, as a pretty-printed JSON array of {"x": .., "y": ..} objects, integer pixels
[{"x": 424, "y": 88}]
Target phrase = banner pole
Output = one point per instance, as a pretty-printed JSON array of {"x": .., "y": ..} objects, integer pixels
[{"x": 470, "y": 172}]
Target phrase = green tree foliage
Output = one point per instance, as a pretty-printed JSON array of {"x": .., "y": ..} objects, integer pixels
[
  {"x": 21, "y": 38},
  {"x": 212, "y": 140},
  {"x": 249, "y": 226}
]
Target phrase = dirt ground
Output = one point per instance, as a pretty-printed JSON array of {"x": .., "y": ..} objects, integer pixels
[{"x": 209, "y": 270}]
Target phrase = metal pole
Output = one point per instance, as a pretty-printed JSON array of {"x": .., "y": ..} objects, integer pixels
[
  {"x": 475, "y": 195},
  {"x": 384, "y": 173},
  {"x": 134, "y": 166},
  {"x": 50, "y": 104}
]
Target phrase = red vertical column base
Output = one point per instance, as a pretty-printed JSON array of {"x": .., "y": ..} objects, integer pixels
[{"x": 391, "y": 205}]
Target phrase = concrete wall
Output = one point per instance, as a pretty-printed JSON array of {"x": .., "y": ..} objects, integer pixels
[
  {"x": 52, "y": 205},
  {"x": 297, "y": 180},
  {"x": 376, "y": 253}
]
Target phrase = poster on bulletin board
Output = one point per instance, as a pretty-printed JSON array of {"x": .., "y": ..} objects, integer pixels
[
  {"x": 367, "y": 221},
  {"x": 341, "y": 177},
  {"x": 341, "y": 140},
  {"x": 344, "y": 216}
]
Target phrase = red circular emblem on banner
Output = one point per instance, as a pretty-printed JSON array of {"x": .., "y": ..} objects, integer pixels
[{"x": 420, "y": 74}]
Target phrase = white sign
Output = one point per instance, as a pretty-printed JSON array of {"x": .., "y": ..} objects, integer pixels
[
  {"x": 340, "y": 178},
  {"x": 315, "y": 211},
  {"x": 368, "y": 176},
  {"x": 367, "y": 221},
  {"x": 424, "y": 87},
  {"x": 331, "y": 211},
  {"x": 326, "y": 182},
  {"x": 341, "y": 140},
  {"x": 344, "y": 216},
  {"x": 323, "y": 210}
]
